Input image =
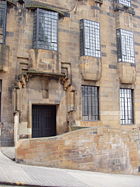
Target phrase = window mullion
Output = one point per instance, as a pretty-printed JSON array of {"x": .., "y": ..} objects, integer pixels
[
  {"x": 45, "y": 33},
  {"x": 90, "y": 38},
  {"x": 126, "y": 106},
  {"x": 37, "y": 26},
  {"x": 90, "y": 103},
  {"x": 3, "y": 18},
  {"x": 125, "y": 45}
]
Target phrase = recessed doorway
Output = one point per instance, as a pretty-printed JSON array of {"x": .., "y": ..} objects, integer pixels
[{"x": 43, "y": 121}]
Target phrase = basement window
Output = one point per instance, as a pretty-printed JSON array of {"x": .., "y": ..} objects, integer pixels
[
  {"x": 126, "y": 106},
  {"x": 125, "y": 45},
  {"x": 45, "y": 30},
  {"x": 125, "y": 2},
  {"x": 3, "y": 12},
  {"x": 90, "y": 38},
  {"x": 90, "y": 103}
]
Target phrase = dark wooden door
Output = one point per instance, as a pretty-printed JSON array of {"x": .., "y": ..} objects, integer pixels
[{"x": 43, "y": 121}]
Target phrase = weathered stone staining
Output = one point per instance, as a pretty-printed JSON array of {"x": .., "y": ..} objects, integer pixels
[
  {"x": 58, "y": 75},
  {"x": 95, "y": 149}
]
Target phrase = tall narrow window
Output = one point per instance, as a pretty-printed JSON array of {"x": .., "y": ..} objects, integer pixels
[
  {"x": 90, "y": 103},
  {"x": 3, "y": 10},
  {"x": 125, "y": 44},
  {"x": 90, "y": 38},
  {"x": 125, "y": 2},
  {"x": 126, "y": 106},
  {"x": 45, "y": 30}
]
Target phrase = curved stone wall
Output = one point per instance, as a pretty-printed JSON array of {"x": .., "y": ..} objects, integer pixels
[{"x": 95, "y": 149}]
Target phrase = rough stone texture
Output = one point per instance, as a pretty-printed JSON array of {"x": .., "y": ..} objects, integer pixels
[
  {"x": 4, "y": 58},
  {"x": 94, "y": 149},
  {"x": 89, "y": 73},
  {"x": 44, "y": 60},
  {"x": 17, "y": 175},
  {"x": 127, "y": 73},
  {"x": 55, "y": 78}
]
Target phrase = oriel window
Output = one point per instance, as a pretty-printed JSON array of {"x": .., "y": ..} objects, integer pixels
[
  {"x": 125, "y": 45},
  {"x": 126, "y": 106},
  {"x": 3, "y": 12},
  {"x": 125, "y": 2},
  {"x": 90, "y": 38},
  {"x": 45, "y": 30},
  {"x": 90, "y": 103}
]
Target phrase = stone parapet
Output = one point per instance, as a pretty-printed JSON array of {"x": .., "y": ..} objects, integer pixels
[{"x": 96, "y": 149}]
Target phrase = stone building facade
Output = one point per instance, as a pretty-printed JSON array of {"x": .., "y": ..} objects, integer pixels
[{"x": 67, "y": 65}]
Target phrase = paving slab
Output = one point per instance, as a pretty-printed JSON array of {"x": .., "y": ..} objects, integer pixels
[
  {"x": 13, "y": 173},
  {"x": 8, "y": 152}
]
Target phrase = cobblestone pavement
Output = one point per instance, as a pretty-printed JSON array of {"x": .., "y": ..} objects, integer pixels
[{"x": 11, "y": 172}]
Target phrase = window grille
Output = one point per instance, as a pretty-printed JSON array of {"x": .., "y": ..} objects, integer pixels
[
  {"x": 45, "y": 30},
  {"x": 125, "y": 2},
  {"x": 90, "y": 38},
  {"x": 125, "y": 44},
  {"x": 3, "y": 12},
  {"x": 90, "y": 103},
  {"x": 126, "y": 106}
]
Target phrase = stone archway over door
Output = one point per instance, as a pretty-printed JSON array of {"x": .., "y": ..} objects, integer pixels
[{"x": 43, "y": 121}]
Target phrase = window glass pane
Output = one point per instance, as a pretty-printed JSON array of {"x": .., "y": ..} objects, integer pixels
[
  {"x": 90, "y": 38},
  {"x": 126, "y": 106},
  {"x": 125, "y": 43},
  {"x": 125, "y": 2},
  {"x": 46, "y": 25},
  {"x": 3, "y": 9},
  {"x": 90, "y": 103},
  {"x": 1, "y": 17}
]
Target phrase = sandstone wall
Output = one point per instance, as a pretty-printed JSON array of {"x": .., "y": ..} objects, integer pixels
[
  {"x": 94, "y": 149},
  {"x": 107, "y": 73}
]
